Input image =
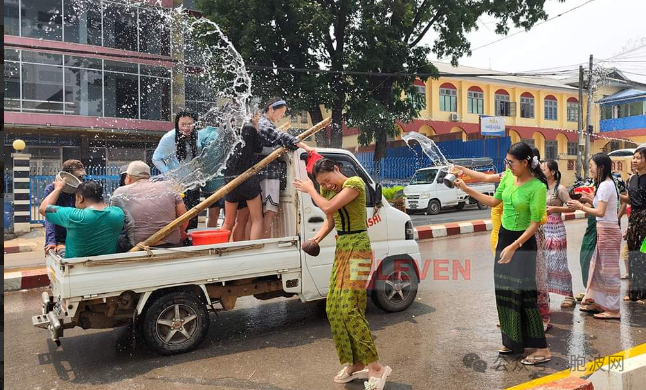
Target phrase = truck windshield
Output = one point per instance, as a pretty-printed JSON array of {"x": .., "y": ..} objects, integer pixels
[{"x": 424, "y": 177}]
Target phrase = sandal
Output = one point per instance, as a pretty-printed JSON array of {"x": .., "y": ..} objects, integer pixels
[
  {"x": 547, "y": 327},
  {"x": 607, "y": 316},
  {"x": 505, "y": 351},
  {"x": 624, "y": 276},
  {"x": 626, "y": 298},
  {"x": 532, "y": 361},
  {"x": 580, "y": 297},
  {"x": 344, "y": 377},
  {"x": 591, "y": 308},
  {"x": 568, "y": 302},
  {"x": 378, "y": 383}
]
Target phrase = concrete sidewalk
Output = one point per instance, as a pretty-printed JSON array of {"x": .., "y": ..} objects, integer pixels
[{"x": 32, "y": 241}]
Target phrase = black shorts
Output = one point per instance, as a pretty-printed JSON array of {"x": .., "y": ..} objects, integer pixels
[
  {"x": 248, "y": 190},
  {"x": 219, "y": 203}
]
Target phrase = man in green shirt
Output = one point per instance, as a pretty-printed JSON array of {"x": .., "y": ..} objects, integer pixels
[{"x": 92, "y": 226}]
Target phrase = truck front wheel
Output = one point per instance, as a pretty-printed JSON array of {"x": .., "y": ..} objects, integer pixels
[
  {"x": 395, "y": 286},
  {"x": 482, "y": 206},
  {"x": 433, "y": 207},
  {"x": 175, "y": 323}
]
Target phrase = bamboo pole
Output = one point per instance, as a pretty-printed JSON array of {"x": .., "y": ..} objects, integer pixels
[{"x": 219, "y": 194}]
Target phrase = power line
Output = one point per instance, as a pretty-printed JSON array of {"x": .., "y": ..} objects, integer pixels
[{"x": 536, "y": 25}]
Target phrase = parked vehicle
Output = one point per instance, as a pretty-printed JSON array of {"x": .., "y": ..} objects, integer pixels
[
  {"x": 427, "y": 192},
  {"x": 167, "y": 294}
]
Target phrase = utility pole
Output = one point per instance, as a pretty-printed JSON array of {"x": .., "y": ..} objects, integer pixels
[
  {"x": 588, "y": 120},
  {"x": 580, "y": 144}
]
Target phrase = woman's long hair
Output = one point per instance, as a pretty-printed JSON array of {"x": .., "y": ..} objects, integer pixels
[
  {"x": 181, "y": 141},
  {"x": 604, "y": 169},
  {"x": 553, "y": 166},
  {"x": 522, "y": 151}
]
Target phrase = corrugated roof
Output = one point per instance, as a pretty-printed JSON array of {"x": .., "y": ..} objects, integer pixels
[
  {"x": 537, "y": 81},
  {"x": 626, "y": 94}
]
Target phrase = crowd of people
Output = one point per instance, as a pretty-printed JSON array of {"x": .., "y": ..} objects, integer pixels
[
  {"x": 529, "y": 239},
  {"x": 530, "y": 244},
  {"x": 142, "y": 205}
]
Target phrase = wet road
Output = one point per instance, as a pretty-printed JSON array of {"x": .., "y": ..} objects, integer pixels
[
  {"x": 469, "y": 213},
  {"x": 284, "y": 344}
]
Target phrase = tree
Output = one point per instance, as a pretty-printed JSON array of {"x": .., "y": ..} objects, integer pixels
[{"x": 372, "y": 36}]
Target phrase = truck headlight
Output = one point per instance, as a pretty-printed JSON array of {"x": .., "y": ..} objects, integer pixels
[{"x": 425, "y": 195}]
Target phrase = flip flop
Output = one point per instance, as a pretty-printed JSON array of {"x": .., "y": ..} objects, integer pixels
[
  {"x": 344, "y": 377},
  {"x": 378, "y": 383},
  {"x": 528, "y": 361},
  {"x": 591, "y": 308},
  {"x": 606, "y": 316},
  {"x": 505, "y": 351}
]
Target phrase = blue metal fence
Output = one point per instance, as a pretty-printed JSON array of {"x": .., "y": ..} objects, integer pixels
[
  {"x": 401, "y": 163},
  {"x": 7, "y": 195}
]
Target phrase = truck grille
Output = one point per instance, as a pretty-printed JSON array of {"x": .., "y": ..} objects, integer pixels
[{"x": 412, "y": 196}]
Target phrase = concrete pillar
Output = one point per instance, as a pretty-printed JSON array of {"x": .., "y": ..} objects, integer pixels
[{"x": 21, "y": 196}]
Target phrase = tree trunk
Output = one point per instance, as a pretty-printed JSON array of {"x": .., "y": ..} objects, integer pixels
[
  {"x": 322, "y": 137},
  {"x": 336, "y": 132}
]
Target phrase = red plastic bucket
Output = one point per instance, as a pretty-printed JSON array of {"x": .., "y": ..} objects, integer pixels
[{"x": 207, "y": 237}]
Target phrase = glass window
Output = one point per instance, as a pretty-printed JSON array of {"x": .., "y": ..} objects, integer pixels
[
  {"x": 42, "y": 19},
  {"x": 551, "y": 109},
  {"x": 606, "y": 112},
  {"x": 42, "y": 88},
  {"x": 424, "y": 176},
  {"x": 448, "y": 99},
  {"x": 121, "y": 93},
  {"x": 526, "y": 107},
  {"x": 122, "y": 67},
  {"x": 11, "y": 55},
  {"x": 572, "y": 148},
  {"x": 83, "y": 92},
  {"x": 475, "y": 102},
  {"x": 528, "y": 141},
  {"x": 636, "y": 108},
  {"x": 158, "y": 71},
  {"x": 79, "y": 62},
  {"x": 155, "y": 98},
  {"x": 154, "y": 37},
  {"x": 11, "y": 86},
  {"x": 294, "y": 118},
  {"x": 82, "y": 23},
  {"x": 120, "y": 26},
  {"x": 42, "y": 58},
  {"x": 572, "y": 111},
  {"x": 622, "y": 110},
  {"x": 422, "y": 93},
  {"x": 11, "y": 17},
  {"x": 304, "y": 117},
  {"x": 503, "y": 105},
  {"x": 551, "y": 150}
]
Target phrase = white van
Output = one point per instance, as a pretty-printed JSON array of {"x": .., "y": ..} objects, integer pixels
[
  {"x": 427, "y": 192},
  {"x": 167, "y": 294}
]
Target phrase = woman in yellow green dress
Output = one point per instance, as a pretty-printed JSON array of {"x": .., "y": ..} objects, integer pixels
[{"x": 343, "y": 200}]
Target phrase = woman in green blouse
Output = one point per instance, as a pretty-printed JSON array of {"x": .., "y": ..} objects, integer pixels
[
  {"x": 523, "y": 194},
  {"x": 343, "y": 200}
]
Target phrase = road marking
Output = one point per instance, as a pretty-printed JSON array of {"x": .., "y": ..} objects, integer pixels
[{"x": 590, "y": 368}]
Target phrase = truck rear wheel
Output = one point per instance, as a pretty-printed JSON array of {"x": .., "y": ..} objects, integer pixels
[
  {"x": 395, "y": 287},
  {"x": 175, "y": 323},
  {"x": 433, "y": 207}
]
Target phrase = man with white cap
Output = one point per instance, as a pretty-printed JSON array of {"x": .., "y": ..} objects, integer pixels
[{"x": 149, "y": 206}]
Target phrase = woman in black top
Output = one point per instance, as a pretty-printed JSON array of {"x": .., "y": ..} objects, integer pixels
[{"x": 637, "y": 227}]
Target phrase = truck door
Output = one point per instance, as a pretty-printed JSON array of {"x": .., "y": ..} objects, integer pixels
[{"x": 320, "y": 267}]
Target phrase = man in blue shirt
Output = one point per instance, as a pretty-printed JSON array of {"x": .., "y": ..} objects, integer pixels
[
  {"x": 93, "y": 227},
  {"x": 55, "y": 235}
]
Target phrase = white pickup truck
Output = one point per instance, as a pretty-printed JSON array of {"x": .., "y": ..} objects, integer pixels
[
  {"x": 167, "y": 294},
  {"x": 427, "y": 192}
]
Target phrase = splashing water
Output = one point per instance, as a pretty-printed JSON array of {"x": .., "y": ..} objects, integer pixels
[
  {"x": 429, "y": 148},
  {"x": 198, "y": 48}
]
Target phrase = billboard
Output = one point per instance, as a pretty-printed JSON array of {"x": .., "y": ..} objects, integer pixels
[{"x": 492, "y": 126}]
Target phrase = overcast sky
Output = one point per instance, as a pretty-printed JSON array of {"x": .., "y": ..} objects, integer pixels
[{"x": 603, "y": 28}]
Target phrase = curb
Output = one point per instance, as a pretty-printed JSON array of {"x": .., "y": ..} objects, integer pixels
[
  {"x": 451, "y": 229},
  {"x": 571, "y": 383},
  {"x": 20, "y": 248},
  {"x": 21, "y": 280}
]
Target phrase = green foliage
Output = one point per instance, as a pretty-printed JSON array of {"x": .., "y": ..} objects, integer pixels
[{"x": 393, "y": 193}]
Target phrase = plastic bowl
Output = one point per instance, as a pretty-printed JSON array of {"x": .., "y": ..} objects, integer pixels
[
  {"x": 208, "y": 237},
  {"x": 71, "y": 182}
]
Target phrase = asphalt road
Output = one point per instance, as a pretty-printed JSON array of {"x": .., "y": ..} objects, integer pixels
[
  {"x": 284, "y": 344},
  {"x": 469, "y": 213}
]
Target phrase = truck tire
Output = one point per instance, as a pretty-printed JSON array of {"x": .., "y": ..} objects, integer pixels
[
  {"x": 175, "y": 323},
  {"x": 433, "y": 207},
  {"x": 482, "y": 206},
  {"x": 395, "y": 289},
  {"x": 460, "y": 206}
]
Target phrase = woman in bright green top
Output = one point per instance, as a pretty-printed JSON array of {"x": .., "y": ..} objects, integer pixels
[
  {"x": 523, "y": 194},
  {"x": 343, "y": 200}
]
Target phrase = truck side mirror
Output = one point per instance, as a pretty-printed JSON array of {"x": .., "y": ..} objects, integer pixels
[
  {"x": 378, "y": 194},
  {"x": 440, "y": 176}
]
